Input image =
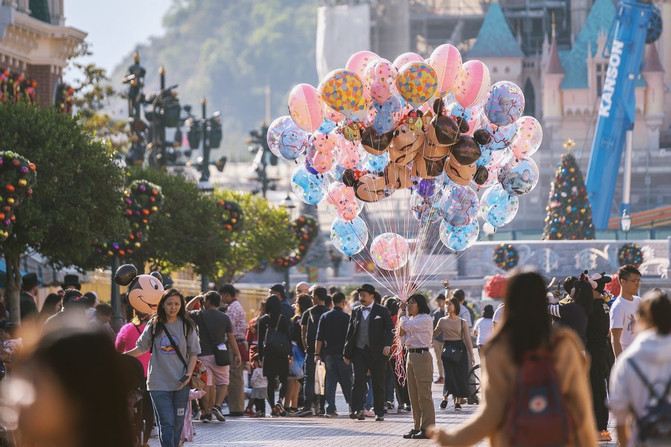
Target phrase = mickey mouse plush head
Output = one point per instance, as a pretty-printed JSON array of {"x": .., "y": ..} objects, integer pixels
[{"x": 144, "y": 291}]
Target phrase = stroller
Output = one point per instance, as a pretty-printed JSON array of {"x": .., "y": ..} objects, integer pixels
[{"x": 138, "y": 401}]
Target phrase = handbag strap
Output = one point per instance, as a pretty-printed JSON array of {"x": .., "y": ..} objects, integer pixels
[{"x": 174, "y": 346}]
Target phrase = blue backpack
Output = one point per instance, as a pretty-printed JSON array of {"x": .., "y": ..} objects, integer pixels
[{"x": 654, "y": 427}]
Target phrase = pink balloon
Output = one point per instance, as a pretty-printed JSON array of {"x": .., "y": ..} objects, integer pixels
[
  {"x": 407, "y": 57},
  {"x": 348, "y": 153},
  {"x": 343, "y": 199},
  {"x": 359, "y": 61},
  {"x": 306, "y": 107},
  {"x": 389, "y": 251},
  {"x": 320, "y": 152},
  {"x": 473, "y": 83},
  {"x": 380, "y": 91},
  {"x": 446, "y": 61},
  {"x": 528, "y": 137},
  {"x": 332, "y": 114}
]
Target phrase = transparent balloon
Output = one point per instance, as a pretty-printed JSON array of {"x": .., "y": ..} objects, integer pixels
[
  {"x": 342, "y": 201},
  {"x": 425, "y": 209},
  {"x": 458, "y": 205},
  {"x": 501, "y": 136},
  {"x": 505, "y": 103},
  {"x": 528, "y": 137},
  {"x": 375, "y": 163},
  {"x": 285, "y": 139},
  {"x": 320, "y": 153},
  {"x": 389, "y": 251},
  {"x": 498, "y": 207},
  {"x": 309, "y": 188},
  {"x": 349, "y": 237},
  {"x": 459, "y": 238},
  {"x": 519, "y": 176}
]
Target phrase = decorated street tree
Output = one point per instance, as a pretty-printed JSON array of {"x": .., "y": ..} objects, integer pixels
[
  {"x": 569, "y": 214},
  {"x": 263, "y": 236},
  {"x": 75, "y": 197}
]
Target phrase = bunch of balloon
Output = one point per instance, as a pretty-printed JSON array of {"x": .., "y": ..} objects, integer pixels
[{"x": 431, "y": 140}]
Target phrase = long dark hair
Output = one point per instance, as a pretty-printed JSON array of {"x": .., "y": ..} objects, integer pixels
[
  {"x": 161, "y": 318},
  {"x": 273, "y": 308},
  {"x": 95, "y": 380},
  {"x": 583, "y": 295},
  {"x": 488, "y": 311},
  {"x": 422, "y": 305},
  {"x": 526, "y": 322}
]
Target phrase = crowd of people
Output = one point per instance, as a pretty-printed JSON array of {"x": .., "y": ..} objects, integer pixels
[{"x": 186, "y": 360}]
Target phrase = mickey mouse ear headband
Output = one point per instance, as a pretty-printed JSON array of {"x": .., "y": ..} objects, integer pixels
[{"x": 598, "y": 281}]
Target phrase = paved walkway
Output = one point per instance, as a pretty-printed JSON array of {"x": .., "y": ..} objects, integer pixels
[{"x": 326, "y": 432}]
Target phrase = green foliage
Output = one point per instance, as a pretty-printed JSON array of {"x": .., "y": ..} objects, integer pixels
[
  {"x": 569, "y": 212},
  {"x": 76, "y": 196},
  {"x": 92, "y": 93},
  {"x": 264, "y": 236},
  {"x": 184, "y": 232},
  {"x": 228, "y": 52}
]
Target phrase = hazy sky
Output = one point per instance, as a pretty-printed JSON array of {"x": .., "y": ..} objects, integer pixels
[{"x": 115, "y": 27}]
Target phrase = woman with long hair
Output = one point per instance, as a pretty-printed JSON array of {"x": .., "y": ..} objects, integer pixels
[
  {"x": 643, "y": 368},
  {"x": 526, "y": 327},
  {"x": 171, "y": 337},
  {"x": 482, "y": 329},
  {"x": 79, "y": 386},
  {"x": 416, "y": 328},
  {"x": 303, "y": 303},
  {"x": 456, "y": 337},
  {"x": 275, "y": 364}
]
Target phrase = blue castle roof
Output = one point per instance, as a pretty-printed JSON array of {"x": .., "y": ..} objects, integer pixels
[
  {"x": 574, "y": 61},
  {"x": 495, "y": 38}
]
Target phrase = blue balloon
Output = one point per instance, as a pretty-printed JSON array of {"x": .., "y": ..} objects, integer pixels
[
  {"x": 309, "y": 167},
  {"x": 309, "y": 188},
  {"x": 497, "y": 206},
  {"x": 485, "y": 156},
  {"x": 425, "y": 209},
  {"x": 459, "y": 205},
  {"x": 459, "y": 238},
  {"x": 376, "y": 163},
  {"x": 383, "y": 122},
  {"x": 349, "y": 237},
  {"x": 501, "y": 136},
  {"x": 327, "y": 126}
]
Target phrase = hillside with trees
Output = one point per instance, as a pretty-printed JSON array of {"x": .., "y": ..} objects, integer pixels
[{"x": 228, "y": 52}]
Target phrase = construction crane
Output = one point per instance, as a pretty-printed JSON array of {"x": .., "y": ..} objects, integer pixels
[{"x": 637, "y": 23}]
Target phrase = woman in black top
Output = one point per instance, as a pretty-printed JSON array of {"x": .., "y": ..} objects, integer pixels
[{"x": 274, "y": 364}]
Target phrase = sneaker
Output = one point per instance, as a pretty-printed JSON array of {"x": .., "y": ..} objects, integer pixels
[
  {"x": 331, "y": 415},
  {"x": 249, "y": 412},
  {"x": 443, "y": 405},
  {"x": 216, "y": 411},
  {"x": 259, "y": 414},
  {"x": 279, "y": 409},
  {"x": 440, "y": 380},
  {"x": 304, "y": 412},
  {"x": 389, "y": 405},
  {"x": 407, "y": 408},
  {"x": 604, "y": 436},
  {"x": 410, "y": 434},
  {"x": 457, "y": 407},
  {"x": 368, "y": 413},
  {"x": 206, "y": 418},
  {"x": 379, "y": 418},
  {"x": 291, "y": 411}
]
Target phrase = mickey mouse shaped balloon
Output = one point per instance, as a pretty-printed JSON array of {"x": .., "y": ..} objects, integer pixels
[{"x": 144, "y": 291}]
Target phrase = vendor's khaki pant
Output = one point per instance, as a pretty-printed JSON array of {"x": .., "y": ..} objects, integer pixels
[{"x": 419, "y": 370}]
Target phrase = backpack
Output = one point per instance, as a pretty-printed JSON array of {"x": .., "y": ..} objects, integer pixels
[
  {"x": 654, "y": 427},
  {"x": 537, "y": 415},
  {"x": 277, "y": 342}
]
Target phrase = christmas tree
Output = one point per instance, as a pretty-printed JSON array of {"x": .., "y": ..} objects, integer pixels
[{"x": 569, "y": 214}]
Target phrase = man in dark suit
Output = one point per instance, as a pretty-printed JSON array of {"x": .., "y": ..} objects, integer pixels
[{"x": 368, "y": 343}]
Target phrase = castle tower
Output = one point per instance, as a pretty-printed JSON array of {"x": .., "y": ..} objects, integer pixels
[
  {"x": 553, "y": 74},
  {"x": 653, "y": 72}
]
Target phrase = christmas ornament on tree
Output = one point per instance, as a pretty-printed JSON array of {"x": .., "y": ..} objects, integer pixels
[
  {"x": 17, "y": 175},
  {"x": 569, "y": 214},
  {"x": 305, "y": 230},
  {"x": 141, "y": 200}
]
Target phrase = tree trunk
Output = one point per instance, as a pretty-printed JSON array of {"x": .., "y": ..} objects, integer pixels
[{"x": 13, "y": 286}]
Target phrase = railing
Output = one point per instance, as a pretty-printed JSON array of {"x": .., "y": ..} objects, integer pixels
[{"x": 535, "y": 235}]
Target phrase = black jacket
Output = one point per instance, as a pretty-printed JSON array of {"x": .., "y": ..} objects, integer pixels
[{"x": 380, "y": 329}]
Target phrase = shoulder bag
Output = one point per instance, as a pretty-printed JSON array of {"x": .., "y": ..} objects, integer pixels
[
  {"x": 196, "y": 381},
  {"x": 276, "y": 341},
  {"x": 221, "y": 354}
]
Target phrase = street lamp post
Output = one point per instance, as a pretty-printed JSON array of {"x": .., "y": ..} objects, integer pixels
[
  {"x": 211, "y": 133},
  {"x": 625, "y": 223},
  {"x": 288, "y": 205}
]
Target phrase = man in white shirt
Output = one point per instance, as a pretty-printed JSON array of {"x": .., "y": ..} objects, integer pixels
[{"x": 623, "y": 312}]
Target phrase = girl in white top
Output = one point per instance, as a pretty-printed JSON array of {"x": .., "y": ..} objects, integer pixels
[
  {"x": 650, "y": 353},
  {"x": 483, "y": 327}
]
